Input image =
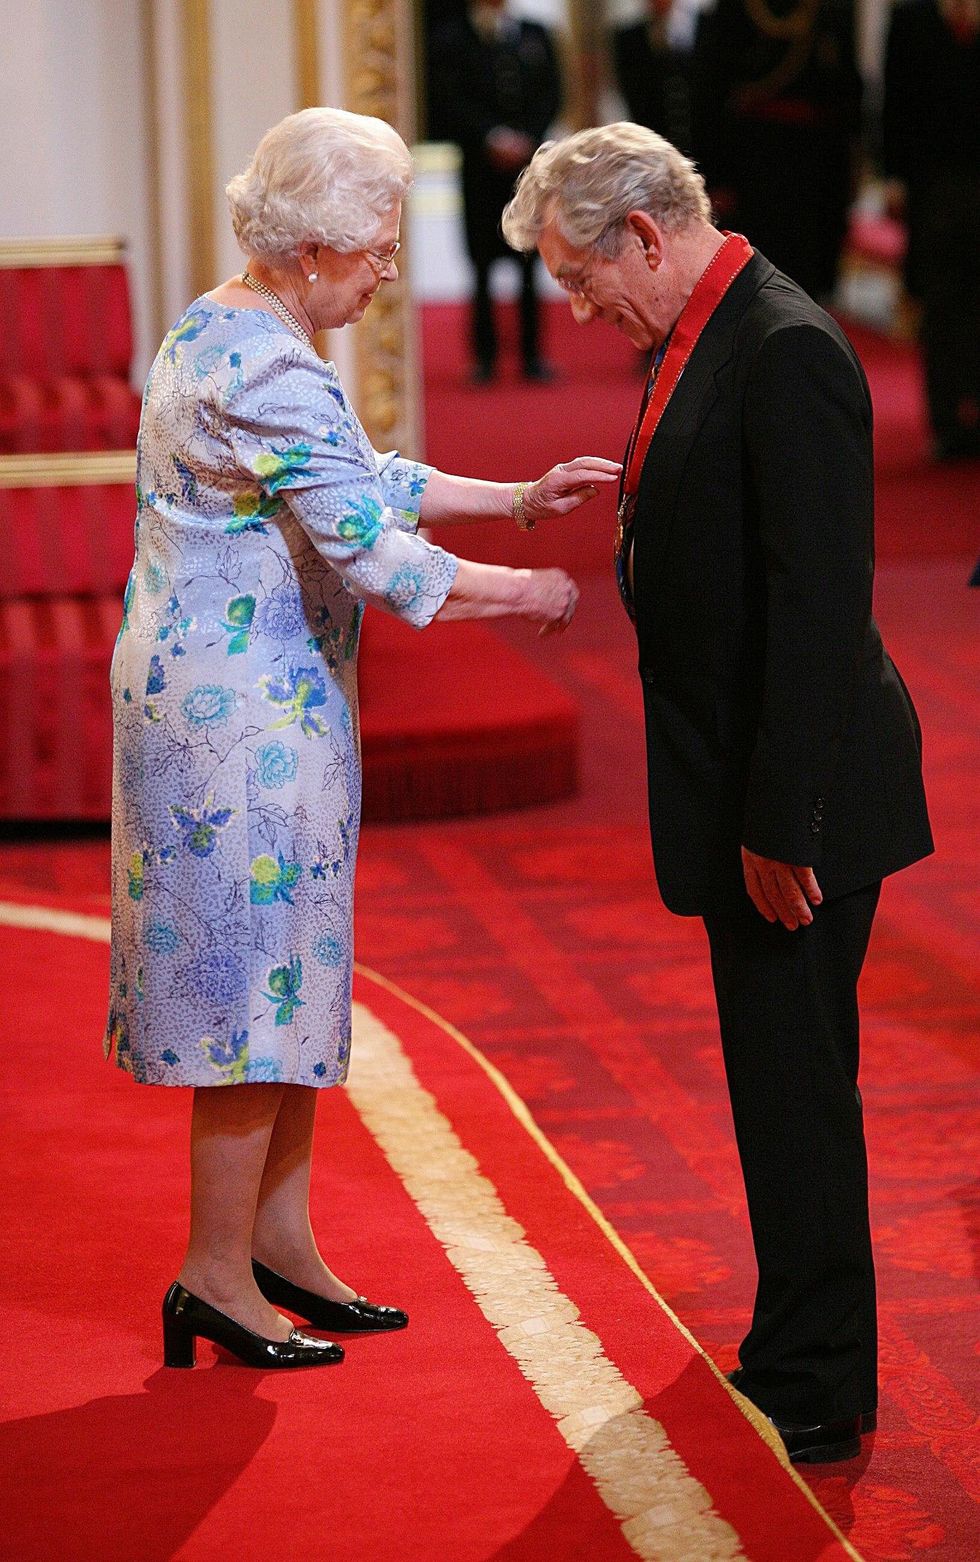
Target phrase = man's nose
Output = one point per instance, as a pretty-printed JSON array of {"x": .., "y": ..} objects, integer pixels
[{"x": 582, "y": 308}]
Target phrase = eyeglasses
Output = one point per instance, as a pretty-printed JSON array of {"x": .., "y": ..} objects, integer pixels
[
  {"x": 575, "y": 287},
  {"x": 578, "y": 286},
  {"x": 384, "y": 260}
]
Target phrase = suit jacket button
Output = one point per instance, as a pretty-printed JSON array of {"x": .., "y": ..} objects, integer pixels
[{"x": 815, "y": 828}]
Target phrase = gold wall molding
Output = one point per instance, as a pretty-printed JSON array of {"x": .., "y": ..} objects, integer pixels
[
  {"x": 306, "y": 45},
  {"x": 583, "y": 60},
  {"x": 371, "y": 34},
  {"x": 378, "y": 39},
  {"x": 73, "y": 469},
  {"x": 85, "y": 250},
  {"x": 150, "y": 60},
  {"x": 199, "y": 143}
]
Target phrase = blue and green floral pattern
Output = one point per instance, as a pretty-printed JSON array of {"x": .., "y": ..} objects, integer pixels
[{"x": 265, "y": 523}]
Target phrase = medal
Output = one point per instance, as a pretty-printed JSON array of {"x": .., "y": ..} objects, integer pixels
[{"x": 624, "y": 516}]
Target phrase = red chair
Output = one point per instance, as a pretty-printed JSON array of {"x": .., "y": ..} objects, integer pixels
[
  {"x": 67, "y": 549},
  {"x": 68, "y": 422},
  {"x": 65, "y": 347}
]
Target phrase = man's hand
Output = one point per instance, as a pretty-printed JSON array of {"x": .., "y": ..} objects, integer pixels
[{"x": 780, "y": 891}]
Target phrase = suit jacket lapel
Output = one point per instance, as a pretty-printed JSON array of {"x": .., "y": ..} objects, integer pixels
[{"x": 688, "y": 407}]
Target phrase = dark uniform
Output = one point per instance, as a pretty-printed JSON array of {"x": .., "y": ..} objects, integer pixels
[
  {"x": 480, "y": 82},
  {"x": 777, "y": 98},
  {"x": 932, "y": 143},
  {"x": 653, "y": 79}
]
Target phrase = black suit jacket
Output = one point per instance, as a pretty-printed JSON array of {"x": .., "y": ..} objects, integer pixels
[
  {"x": 774, "y": 717},
  {"x": 475, "y": 86}
]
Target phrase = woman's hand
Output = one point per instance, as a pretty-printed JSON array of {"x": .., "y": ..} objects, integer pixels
[
  {"x": 551, "y": 600},
  {"x": 567, "y": 486},
  {"x": 544, "y": 596}
]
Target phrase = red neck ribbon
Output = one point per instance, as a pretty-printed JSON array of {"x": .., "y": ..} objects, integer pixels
[{"x": 709, "y": 290}]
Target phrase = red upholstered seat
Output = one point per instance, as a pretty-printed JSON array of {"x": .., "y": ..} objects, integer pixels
[
  {"x": 55, "y": 716},
  {"x": 61, "y": 540},
  {"x": 66, "y": 556},
  {"x": 57, "y": 320},
  {"x": 65, "y": 349},
  {"x": 67, "y": 412}
]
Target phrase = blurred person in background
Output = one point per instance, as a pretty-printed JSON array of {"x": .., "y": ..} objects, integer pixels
[
  {"x": 651, "y": 41},
  {"x": 494, "y": 87},
  {"x": 777, "y": 100},
  {"x": 931, "y": 153}
]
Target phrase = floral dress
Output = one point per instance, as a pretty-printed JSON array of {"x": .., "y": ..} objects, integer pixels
[{"x": 265, "y": 521}]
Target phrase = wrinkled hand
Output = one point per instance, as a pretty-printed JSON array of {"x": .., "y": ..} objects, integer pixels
[
  {"x": 567, "y": 486},
  {"x": 780, "y": 891},
  {"x": 551, "y": 599}
]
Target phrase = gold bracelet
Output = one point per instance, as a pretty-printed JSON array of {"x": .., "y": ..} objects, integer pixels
[{"x": 525, "y": 522}]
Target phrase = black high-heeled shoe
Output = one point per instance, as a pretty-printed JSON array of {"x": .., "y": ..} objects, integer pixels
[
  {"x": 357, "y": 1317},
  {"x": 186, "y": 1318}
]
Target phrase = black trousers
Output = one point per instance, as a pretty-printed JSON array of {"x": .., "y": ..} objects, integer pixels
[
  {"x": 787, "y": 1006},
  {"x": 949, "y": 266},
  {"x": 483, "y": 330}
]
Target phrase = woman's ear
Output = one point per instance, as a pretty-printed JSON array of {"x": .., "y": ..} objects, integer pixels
[{"x": 308, "y": 257}]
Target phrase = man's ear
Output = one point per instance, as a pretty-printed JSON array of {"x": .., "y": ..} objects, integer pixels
[{"x": 650, "y": 235}]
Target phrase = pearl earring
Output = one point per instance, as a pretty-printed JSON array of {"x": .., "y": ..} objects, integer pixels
[{"x": 313, "y": 276}]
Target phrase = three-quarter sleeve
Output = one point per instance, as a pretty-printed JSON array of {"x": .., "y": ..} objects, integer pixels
[
  {"x": 294, "y": 435},
  {"x": 403, "y": 484}
]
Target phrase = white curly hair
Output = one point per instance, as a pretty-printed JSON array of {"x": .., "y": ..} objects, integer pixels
[
  {"x": 588, "y": 183},
  {"x": 322, "y": 175}
]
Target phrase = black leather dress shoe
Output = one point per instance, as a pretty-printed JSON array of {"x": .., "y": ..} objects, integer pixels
[
  {"x": 827, "y": 1442},
  {"x": 824, "y": 1442},
  {"x": 357, "y": 1317},
  {"x": 186, "y": 1318},
  {"x": 539, "y": 372}
]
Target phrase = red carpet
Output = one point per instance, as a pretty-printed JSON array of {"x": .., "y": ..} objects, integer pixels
[
  {"x": 456, "y": 1439},
  {"x": 540, "y": 934},
  {"x": 543, "y": 937}
]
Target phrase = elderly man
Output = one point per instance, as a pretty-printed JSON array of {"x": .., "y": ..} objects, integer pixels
[{"x": 783, "y": 750}]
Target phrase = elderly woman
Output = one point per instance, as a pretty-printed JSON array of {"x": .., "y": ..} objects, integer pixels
[{"x": 265, "y": 523}]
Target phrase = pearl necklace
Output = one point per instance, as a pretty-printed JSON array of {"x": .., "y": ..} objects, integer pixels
[{"x": 279, "y": 308}]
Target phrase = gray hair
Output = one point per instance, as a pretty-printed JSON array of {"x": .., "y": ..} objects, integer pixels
[
  {"x": 588, "y": 183},
  {"x": 322, "y": 175}
]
